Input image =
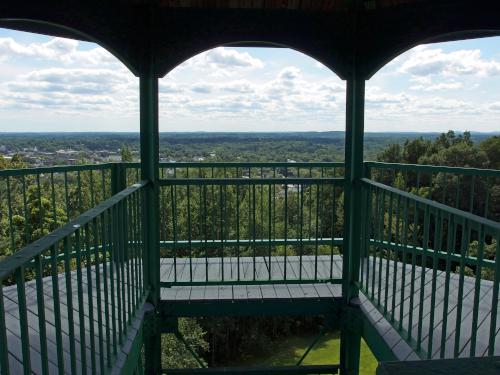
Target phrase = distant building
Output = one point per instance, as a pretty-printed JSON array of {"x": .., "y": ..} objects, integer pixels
[{"x": 114, "y": 158}]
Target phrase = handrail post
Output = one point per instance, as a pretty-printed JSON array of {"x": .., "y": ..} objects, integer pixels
[
  {"x": 353, "y": 216},
  {"x": 118, "y": 178},
  {"x": 149, "y": 138}
]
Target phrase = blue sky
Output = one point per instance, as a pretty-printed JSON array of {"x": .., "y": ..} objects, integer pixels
[{"x": 52, "y": 84}]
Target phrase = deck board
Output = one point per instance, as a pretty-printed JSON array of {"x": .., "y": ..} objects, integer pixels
[{"x": 261, "y": 269}]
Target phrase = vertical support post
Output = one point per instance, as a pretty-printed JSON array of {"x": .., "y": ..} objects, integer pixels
[
  {"x": 149, "y": 138},
  {"x": 118, "y": 180},
  {"x": 353, "y": 211}
]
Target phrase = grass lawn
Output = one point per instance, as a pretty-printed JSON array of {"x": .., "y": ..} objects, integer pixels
[{"x": 326, "y": 351}]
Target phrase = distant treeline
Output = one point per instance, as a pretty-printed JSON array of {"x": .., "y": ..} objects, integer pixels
[{"x": 299, "y": 146}]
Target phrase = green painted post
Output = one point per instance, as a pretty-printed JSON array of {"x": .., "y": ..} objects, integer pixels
[
  {"x": 149, "y": 171},
  {"x": 118, "y": 180},
  {"x": 353, "y": 211}
]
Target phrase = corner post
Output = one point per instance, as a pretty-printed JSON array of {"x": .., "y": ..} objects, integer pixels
[
  {"x": 149, "y": 138},
  {"x": 353, "y": 211}
]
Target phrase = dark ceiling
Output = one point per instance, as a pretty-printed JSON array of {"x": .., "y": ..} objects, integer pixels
[{"x": 349, "y": 36}]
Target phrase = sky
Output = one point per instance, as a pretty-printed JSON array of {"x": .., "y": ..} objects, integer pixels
[{"x": 54, "y": 84}]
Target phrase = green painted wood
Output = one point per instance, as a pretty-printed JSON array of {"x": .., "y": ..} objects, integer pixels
[
  {"x": 281, "y": 370},
  {"x": 149, "y": 139},
  {"x": 350, "y": 341},
  {"x": 462, "y": 366}
]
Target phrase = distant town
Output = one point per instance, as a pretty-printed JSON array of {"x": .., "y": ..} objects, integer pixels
[{"x": 48, "y": 149}]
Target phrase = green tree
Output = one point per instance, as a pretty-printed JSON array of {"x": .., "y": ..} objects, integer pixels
[
  {"x": 126, "y": 154},
  {"x": 491, "y": 148},
  {"x": 392, "y": 154},
  {"x": 175, "y": 354}
]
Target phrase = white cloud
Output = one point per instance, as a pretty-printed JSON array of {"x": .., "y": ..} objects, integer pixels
[
  {"x": 79, "y": 81},
  {"x": 56, "y": 49},
  {"x": 319, "y": 65},
  {"x": 222, "y": 62},
  {"x": 425, "y": 61},
  {"x": 229, "y": 57},
  {"x": 202, "y": 88},
  {"x": 241, "y": 86},
  {"x": 453, "y": 85},
  {"x": 495, "y": 106},
  {"x": 76, "y": 91},
  {"x": 286, "y": 97},
  {"x": 166, "y": 86}
]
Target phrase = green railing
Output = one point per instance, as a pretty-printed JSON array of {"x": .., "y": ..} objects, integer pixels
[
  {"x": 271, "y": 221},
  {"x": 433, "y": 271},
  {"x": 36, "y": 201},
  {"x": 68, "y": 299},
  {"x": 467, "y": 189}
]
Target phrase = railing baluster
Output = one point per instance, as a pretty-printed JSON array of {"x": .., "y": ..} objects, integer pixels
[
  {"x": 472, "y": 189},
  {"x": 376, "y": 236},
  {"x": 57, "y": 307},
  {"x": 221, "y": 202},
  {"x": 126, "y": 253},
  {"x": 40, "y": 299},
  {"x": 189, "y": 232},
  {"x": 494, "y": 300},
  {"x": 80, "y": 309},
  {"x": 477, "y": 289},
  {"x": 300, "y": 231},
  {"x": 487, "y": 198},
  {"x": 380, "y": 248},
  {"x": 317, "y": 234},
  {"x": 450, "y": 244},
  {"x": 4, "y": 349},
  {"x": 269, "y": 230},
  {"x": 121, "y": 262},
  {"x": 11, "y": 225},
  {"x": 53, "y": 198},
  {"x": 69, "y": 303},
  {"x": 205, "y": 226},
  {"x": 27, "y": 220},
  {"x": 437, "y": 242},
  {"x": 112, "y": 265},
  {"x": 285, "y": 231},
  {"x": 457, "y": 195},
  {"x": 97, "y": 268},
  {"x": 464, "y": 243},
  {"x": 23, "y": 319},
  {"x": 425, "y": 245},
  {"x": 388, "y": 256},
  {"x": 173, "y": 197},
  {"x": 413, "y": 270},
  {"x": 395, "y": 256},
  {"x": 66, "y": 196},
  {"x": 404, "y": 259},
  {"x": 105, "y": 265},
  {"x": 88, "y": 261}
]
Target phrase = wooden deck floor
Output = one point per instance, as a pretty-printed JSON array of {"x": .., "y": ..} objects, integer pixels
[
  {"x": 327, "y": 267},
  {"x": 262, "y": 270},
  {"x": 433, "y": 327}
]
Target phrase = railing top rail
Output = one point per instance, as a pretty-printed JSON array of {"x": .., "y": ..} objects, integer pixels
[
  {"x": 439, "y": 206},
  {"x": 34, "y": 249},
  {"x": 198, "y": 164},
  {"x": 434, "y": 168},
  {"x": 252, "y": 181},
  {"x": 54, "y": 169}
]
